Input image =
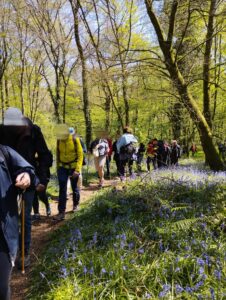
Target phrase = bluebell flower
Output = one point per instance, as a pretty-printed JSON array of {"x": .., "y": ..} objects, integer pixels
[
  {"x": 166, "y": 289},
  {"x": 201, "y": 270},
  {"x": 189, "y": 290},
  {"x": 147, "y": 295},
  {"x": 198, "y": 285},
  {"x": 179, "y": 288},
  {"x": 95, "y": 238},
  {"x": 177, "y": 270},
  {"x": 217, "y": 274},
  {"x": 103, "y": 271},
  {"x": 212, "y": 293},
  {"x": 111, "y": 273},
  {"x": 91, "y": 271},
  {"x": 131, "y": 245},
  {"x": 64, "y": 272},
  {"x": 85, "y": 270},
  {"x": 141, "y": 251}
]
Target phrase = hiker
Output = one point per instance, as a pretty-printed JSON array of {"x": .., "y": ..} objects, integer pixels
[
  {"x": 175, "y": 153},
  {"x": 99, "y": 148},
  {"x": 140, "y": 156},
  {"x": 126, "y": 147},
  {"x": 27, "y": 139},
  {"x": 108, "y": 158},
  {"x": 163, "y": 154},
  {"x": 151, "y": 152},
  {"x": 69, "y": 158},
  {"x": 116, "y": 157},
  {"x": 84, "y": 149},
  {"x": 193, "y": 149},
  {"x": 15, "y": 173}
]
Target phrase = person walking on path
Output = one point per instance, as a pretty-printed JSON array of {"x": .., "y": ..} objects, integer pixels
[
  {"x": 26, "y": 138},
  {"x": 175, "y": 153},
  {"x": 193, "y": 149},
  {"x": 69, "y": 164},
  {"x": 100, "y": 148},
  {"x": 15, "y": 173},
  {"x": 126, "y": 146},
  {"x": 152, "y": 151}
]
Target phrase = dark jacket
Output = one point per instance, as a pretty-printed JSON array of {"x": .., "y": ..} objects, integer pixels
[
  {"x": 10, "y": 167},
  {"x": 29, "y": 142}
]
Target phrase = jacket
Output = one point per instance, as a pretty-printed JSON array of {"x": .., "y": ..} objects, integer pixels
[
  {"x": 10, "y": 167},
  {"x": 70, "y": 153},
  {"x": 29, "y": 142},
  {"x": 125, "y": 139}
]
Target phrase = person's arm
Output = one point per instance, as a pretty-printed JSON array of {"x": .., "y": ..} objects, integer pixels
[
  {"x": 21, "y": 171},
  {"x": 44, "y": 158},
  {"x": 78, "y": 149}
]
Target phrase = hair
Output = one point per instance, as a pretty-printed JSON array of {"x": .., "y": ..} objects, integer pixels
[{"x": 127, "y": 129}]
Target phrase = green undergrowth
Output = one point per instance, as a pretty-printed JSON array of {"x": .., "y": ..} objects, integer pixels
[{"x": 155, "y": 239}]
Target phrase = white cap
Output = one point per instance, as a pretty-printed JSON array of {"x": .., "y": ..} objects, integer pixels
[{"x": 13, "y": 116}]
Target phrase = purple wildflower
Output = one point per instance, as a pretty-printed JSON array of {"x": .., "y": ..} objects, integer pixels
[
  {"x": 166, "y": 288},
  {"x": 141, "y": 251},
  {"x": 212, "y": 293},
  {"x": 103, "y": 271},
  {"x": 217, "y": 274},
  {"x": 179, "y": 288},
  {"x": 201, "y": 270}
]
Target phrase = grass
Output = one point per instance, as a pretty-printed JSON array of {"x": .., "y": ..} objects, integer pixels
[{"x": 162, "y": 237}]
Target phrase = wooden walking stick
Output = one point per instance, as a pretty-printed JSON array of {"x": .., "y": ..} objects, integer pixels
[{"x": 22, "y": 233}]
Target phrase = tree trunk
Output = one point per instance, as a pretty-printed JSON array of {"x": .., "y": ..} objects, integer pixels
[
  {"x": 86, "y": 104},
  {"x": 206, "y": 65},
  {"x": 196, "y": 115}
]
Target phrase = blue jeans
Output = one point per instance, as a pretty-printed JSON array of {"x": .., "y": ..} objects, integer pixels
[
  {"x": 63, "y": 174},
  {"x": 28, "y": 197}
]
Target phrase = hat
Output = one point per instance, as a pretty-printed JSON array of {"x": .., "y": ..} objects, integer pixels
[
  {"x": 14, "y": 116},
  {"x": 71, "y": 130}
]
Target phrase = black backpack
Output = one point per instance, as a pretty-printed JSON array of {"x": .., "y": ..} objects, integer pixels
[{"x": 128, "y": 149}]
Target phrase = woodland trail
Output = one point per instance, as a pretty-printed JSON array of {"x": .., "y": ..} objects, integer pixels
[{"x": 41, "y": 236}]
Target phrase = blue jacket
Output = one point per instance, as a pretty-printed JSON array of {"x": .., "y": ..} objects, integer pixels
[{"x": 10, "y": 167}]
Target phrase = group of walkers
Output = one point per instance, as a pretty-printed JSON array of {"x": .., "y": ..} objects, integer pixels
[{"x": 127, "y": 152}]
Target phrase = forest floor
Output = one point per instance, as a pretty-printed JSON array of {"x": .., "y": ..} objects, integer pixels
[{"x": 41, "y": 236}]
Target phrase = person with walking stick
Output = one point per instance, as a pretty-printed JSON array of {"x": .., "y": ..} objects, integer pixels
[{"x": 15, "y": 174}]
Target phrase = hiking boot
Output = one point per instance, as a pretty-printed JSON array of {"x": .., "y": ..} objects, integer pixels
[
  {"x": 75, "y": 208},
  {"x": 48, "y": 211},
  {"x": 122, "y": 178},
  {"x": 35, "y": 217},
  {"x": 27, "y": 261},
  {"x": 59, "y": 217}
]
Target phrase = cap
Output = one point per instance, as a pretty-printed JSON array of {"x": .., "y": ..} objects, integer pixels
[
  {"x": 71, "y": 130},
  {"x": 14, "y": 116}
]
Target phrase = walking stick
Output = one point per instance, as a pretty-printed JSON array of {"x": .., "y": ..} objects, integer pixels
[{"x": 22, "y": 233}]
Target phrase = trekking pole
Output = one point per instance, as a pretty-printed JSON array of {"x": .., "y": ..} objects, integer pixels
[{"x": 22, "y": 233}]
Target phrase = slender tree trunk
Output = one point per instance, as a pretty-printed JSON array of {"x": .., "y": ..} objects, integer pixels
[
  {"x": 206, "y": 65},
  {"x": 86, "y": 104},
  {"x": 196, "y": 115}
]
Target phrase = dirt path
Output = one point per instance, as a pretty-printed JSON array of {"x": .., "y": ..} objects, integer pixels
[{"x": 40, "y": 237}]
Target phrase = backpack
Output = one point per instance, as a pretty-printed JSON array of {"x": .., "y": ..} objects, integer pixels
[{"x": 129, "y": 149}]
